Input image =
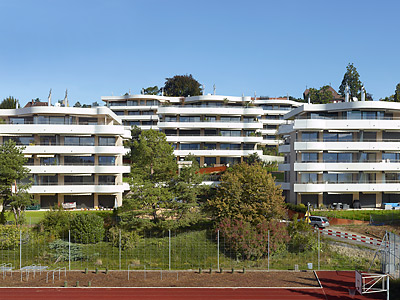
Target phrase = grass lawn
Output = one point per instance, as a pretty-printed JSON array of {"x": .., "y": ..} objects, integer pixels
[
  {"x": 363, "y": 215},
  {"x": 33, "y": 217}
]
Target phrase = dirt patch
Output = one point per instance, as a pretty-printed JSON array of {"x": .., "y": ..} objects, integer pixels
[{"x": 164, "y": 279}]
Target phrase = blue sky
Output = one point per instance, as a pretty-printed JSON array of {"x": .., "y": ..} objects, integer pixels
[{"x": 99, "y": 48}]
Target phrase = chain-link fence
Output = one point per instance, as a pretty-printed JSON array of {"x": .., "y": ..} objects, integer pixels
[{"x": 177, "y": 250}]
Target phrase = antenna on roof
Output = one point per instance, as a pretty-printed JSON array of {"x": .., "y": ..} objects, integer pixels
[
  {"x": 214, "y": 89},
  {"x": 309, "y": 98},
  {"x": 162, "y": 91},
  {"x": 362, "y": 93},
  {"x": 255, "y": 95},
  {"x": 49, "y": 98},
  {"x": 347, "y": 92}
]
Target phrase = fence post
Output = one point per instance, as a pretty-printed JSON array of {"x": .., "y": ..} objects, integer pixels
[
  {"x": 120, "y": 249},
  {"x": 69, "y": 250},
  {"x": 218, "y": 250},
  {"x": 169, "y": 249},
  {"x": 319, "y": 247},
  {"x": 268, "y": 250},
  {"x": 20, "y": 249}
]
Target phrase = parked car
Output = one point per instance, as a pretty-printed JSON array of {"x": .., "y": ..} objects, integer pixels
[{"x": 321, "y": 222}]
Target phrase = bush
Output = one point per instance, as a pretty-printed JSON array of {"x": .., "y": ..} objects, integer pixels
[
  {"x": 10, "y": 235},
  {"x": 302, "y": 236},
  {"x": 87, "y": 228},
  {"x": 297, "y": 207},
  {"x": 56, "y": 223},
  {"x": 249, "y": 241},
  {"x": 60, "y": 251},
  {"x": 129, "y": 239}
]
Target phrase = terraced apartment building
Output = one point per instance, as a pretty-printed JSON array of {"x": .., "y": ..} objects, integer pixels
[
  {"x": 75, "y": 154},
  {"x": 218, "y": 130},
  {"x": 345, "y": 153}
]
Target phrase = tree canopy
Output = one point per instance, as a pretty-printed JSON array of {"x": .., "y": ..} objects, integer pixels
[
  {"x": 352, "y": 78},
  {"x": 182, "y": 86},
  {"x": 13, "y": 183},
  {"x": 247, "y": 193},
  {"x": 321, "y": 96},
  {"x": 396, "y": 96},
  {"x": 8, "y": 103},
  {"x": 151, "y": 90}
]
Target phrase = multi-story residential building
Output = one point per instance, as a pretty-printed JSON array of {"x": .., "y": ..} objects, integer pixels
[
  {"x": 216, "y": 129},
  {"x": 342, "y": 153},
  {"x": 75, "y": 154}
]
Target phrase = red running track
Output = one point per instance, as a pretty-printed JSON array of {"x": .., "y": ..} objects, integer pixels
[{"x": 335, "y": 286}]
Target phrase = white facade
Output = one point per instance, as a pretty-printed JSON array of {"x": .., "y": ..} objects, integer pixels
[
  {"x": 342, "y": 152},
  {"x": 216, "y": 129},
  {"x": 75, "y": 154}
]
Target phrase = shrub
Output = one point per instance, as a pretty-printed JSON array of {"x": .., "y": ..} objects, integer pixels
[
  {"x": 251, "y": 241},
  {"x": 129, "y": 239},
  {"x": 87, "y": 228},
  {"x": 10, "y": 235},
  {"x": 56, "y": 223},
  {"x": 302, "y": 236},
  {"x": 60, "y": 251}
]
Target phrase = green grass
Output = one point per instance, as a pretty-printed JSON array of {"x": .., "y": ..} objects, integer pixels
[
  {"x": 190, "y": 250},
  {"x": 34, "y": 217},
  {"x": 363, "y": 215}
]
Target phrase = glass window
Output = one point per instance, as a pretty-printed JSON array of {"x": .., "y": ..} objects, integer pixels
[
  {"x": 79, "y": 160},
  {"x": 230, "y": 119},
  {"x": 86, "y": 141},
  {"x": 119, "y": 113},
  {"x": 210, "y": 132},
  {"x": 248, "y": 146},
  {"x": 189, "y": 119},
  {"x": 117, "y": 103},
  {"x": 106, "y": 180},
  {"x": 330, "y": 137},
  {"x": 309, "y": 157},
  {"x": 148, "y": 113},
  {"x": 309, "y": 136},
  {"x": 170, "y": 119},
  {"x": 230, "y": 146},
  {"x": 48, "y": 140},
  {"x": 17, "y": 120},
  {"x": 88, "y": 121},
  {"x": 210, "y": 161},
  {"x": 20, "y": 140},
  {"x": 210, "y": 146},
  {"x": 56, "y": 120},
  {"x": 78, "y": 180},
  {"x": 189, "y": 132},
  {"x": 47, "y": 161},
  {"x": 369, "y": 115},
  {"x": 190, "y": 146},
  {"x": 230, "y": 132},
  {"x": 106, "y": 160},
  {"x": 106, "y": 141},
  {"x": 46, "y": 180},
  {"x": 309, "y": 177},
  {"x": 132, "y": 103},
  {"x": 210, "y": 119}
]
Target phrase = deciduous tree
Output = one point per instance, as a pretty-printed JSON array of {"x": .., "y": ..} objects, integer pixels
[
  {"x": 182, "y": 86},
  {"x": 151, "y": 90},
  {"x": 247, "y": 193}
]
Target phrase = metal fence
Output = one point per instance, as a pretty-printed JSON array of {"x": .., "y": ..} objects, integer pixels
[
  {"x": 390, "y": 255},
  {"x": 178, "y": 250}
]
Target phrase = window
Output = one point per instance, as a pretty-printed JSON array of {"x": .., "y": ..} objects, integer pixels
[
  {"x": 209, "y": 132},
  {"x": 133, "y": 113},
  {"x": 230, "y": 132},
  {"x": 46, "y": 180},
  {"x": 230, "y": 119},
  {"x": 106, "y": 160},
  {"x": 79, "y": 180},
  {"x": 47, "y": 161},
  {"x": 229, "y": 160},
  {"x": 392, "y": 177},
  {"x": 337, "y": 157},
  {"x": 230, "y": 146},
  {"x": 309, "y": 136},
  {"x": 79, "y": 160},
  {"x": 337, "y": 177},
  {"x": 309, "y": 157},
  {"x": 88, "y": 121},
  {"x": 210, "y": 161},
  {"x": 170, "y": 132},
  {"x": 189, "y": 119},
  {"x": 189, "y": 132},
  {"x": 132, "y": 103},
  {"x": 79, "y": 141},
  {"x": 106, "y": 141},
  {"x": 119, "y": 113},
  {"x": 106, "y": 180},
  {"x": 190, "y": 146},
  {"x": 148, "y": 113},
  {"x": 20, "y": 140},
  {"x": 210, "y": 119},
  {"x": 248, "y": 146},
  {"x": 48, "y": 140},
  {"x": 170, "y": 119},
  {"x": 309, "y": 177},
  {"x": 210, "y": 146},
  {"x": 337, "y": 137},
  {"x": 391, "y": 157},
  {"x": 117, "y": 103}
]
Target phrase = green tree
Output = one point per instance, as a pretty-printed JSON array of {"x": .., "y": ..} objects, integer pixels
[
  {"x": 8, "y": 103},
  {"x": 87, "y": 228},
  {"x": 77, "y": 104},
  {"x": 13, "y": 180},
  {"x": 321, "y": 96},
  {"x": 247, "y": 193},
  {"x": 253, "y": 158},
  {"x": 352, "y": 78},
  {"x": 396, "y": 96},
  {"x": 151, "y": 90},
  {"x": 153, "y": 167},
  {"x": 182, "y": 86},
  {"x": 187, "y": 187}
]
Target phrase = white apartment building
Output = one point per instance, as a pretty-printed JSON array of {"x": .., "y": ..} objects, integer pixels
[
  {"x": 75, "y": 154},
  {"x": 342, "y": 153},
  {"x": 216, "y": 129}
]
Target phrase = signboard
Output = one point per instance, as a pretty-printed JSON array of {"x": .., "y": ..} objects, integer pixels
[{"x": 358, "y": 282}]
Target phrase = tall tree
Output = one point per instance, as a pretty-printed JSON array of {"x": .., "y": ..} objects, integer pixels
[
  {"x": 247, "y": 193},
  {"x": 187, "y": 187},
  {"x": 352, "y": 78},
  {"x": 182, "y": 86},
  {"x": 77, "y": 104},
  {"x": 151, "y": 90},
  {"x": 396, "y": 96},
  {"x": 153, "y": 167},
  {"x": 13, "y": 180},
  {"x": 8, "y": 103}
]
